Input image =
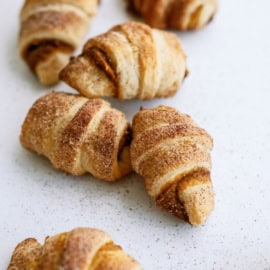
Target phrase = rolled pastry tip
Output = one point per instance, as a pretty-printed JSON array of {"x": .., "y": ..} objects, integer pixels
[{"x": 173, "y": 155}]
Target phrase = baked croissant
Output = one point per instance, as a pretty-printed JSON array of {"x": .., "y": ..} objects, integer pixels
[
  {"x": 130, "y": 61},
  {"x": 80, "y": 249},
  {"x": 79, "y": 135},
  {"x": 175, "y": 14},
  {"x": 173, "y": 155},
  {"x": 50, "y": 31}
]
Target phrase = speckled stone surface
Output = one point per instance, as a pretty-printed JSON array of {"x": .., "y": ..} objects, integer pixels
[{"x": 227, "y": 93}]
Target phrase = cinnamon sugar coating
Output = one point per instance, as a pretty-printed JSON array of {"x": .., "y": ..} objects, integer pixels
[
  {"x": 81, "y": 248},
  {"x": 173, "y": 155},
  {"x": 79, "y": 135}
]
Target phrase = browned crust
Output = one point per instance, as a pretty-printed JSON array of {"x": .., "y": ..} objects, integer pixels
[
  {"x": 103, "y": 146},
  {"x": 141, "y": 38},
  {"x": 47, "y": 20},
  {"x": 26, "y": 255},
  {"x": 166, "y": 14},
  {"x": 50, "y": 31},
  {"x": 68, "y": 145},
  {"x": 175, "y": 14},
  {"x": 162, "y": 115},
  {"x": 81, "y": 245},
  {"x": 156, "y": 136},
  {"x": 173, "y": 155},
  {"x": 154, "y": 13},
  {"x": 80, "y": 249},
  {"x": 41, "y": 119},
  {"x": 104, "y": 252},
  {"x": 41, "y": 50},
  {"x": 52, "y": 251},
  {"x": 84, "y": 5},
  {"x": 53, "y": 22},
  {"x": 131, "y": 60}
]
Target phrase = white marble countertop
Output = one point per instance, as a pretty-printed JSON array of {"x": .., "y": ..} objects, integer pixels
[{"x": 227, "y": 93}]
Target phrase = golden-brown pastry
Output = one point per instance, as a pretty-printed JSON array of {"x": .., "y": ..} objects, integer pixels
[
  {"x": 131, "y": 60},
  {"x": 79, "y": 135},
  {"x": 176, "y": 14},
  {"x": 173, "y": 155},
  {"x": 80, "y": 249},
  {"x": 50, "y": 31}
]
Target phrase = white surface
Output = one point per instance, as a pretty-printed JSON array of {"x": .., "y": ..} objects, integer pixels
[{"x": 227, "y": 93}]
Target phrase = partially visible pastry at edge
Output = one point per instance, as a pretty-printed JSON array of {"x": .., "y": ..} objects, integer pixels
[
  {"x": 79, "y": 135},
  {"x": 173, "y": 155},
  {"x": 175, "y": 14},
  {"x": 50, "y": 31},
  {"x": 131, "y": 60},
  {"x": 80, "y": 249}
]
